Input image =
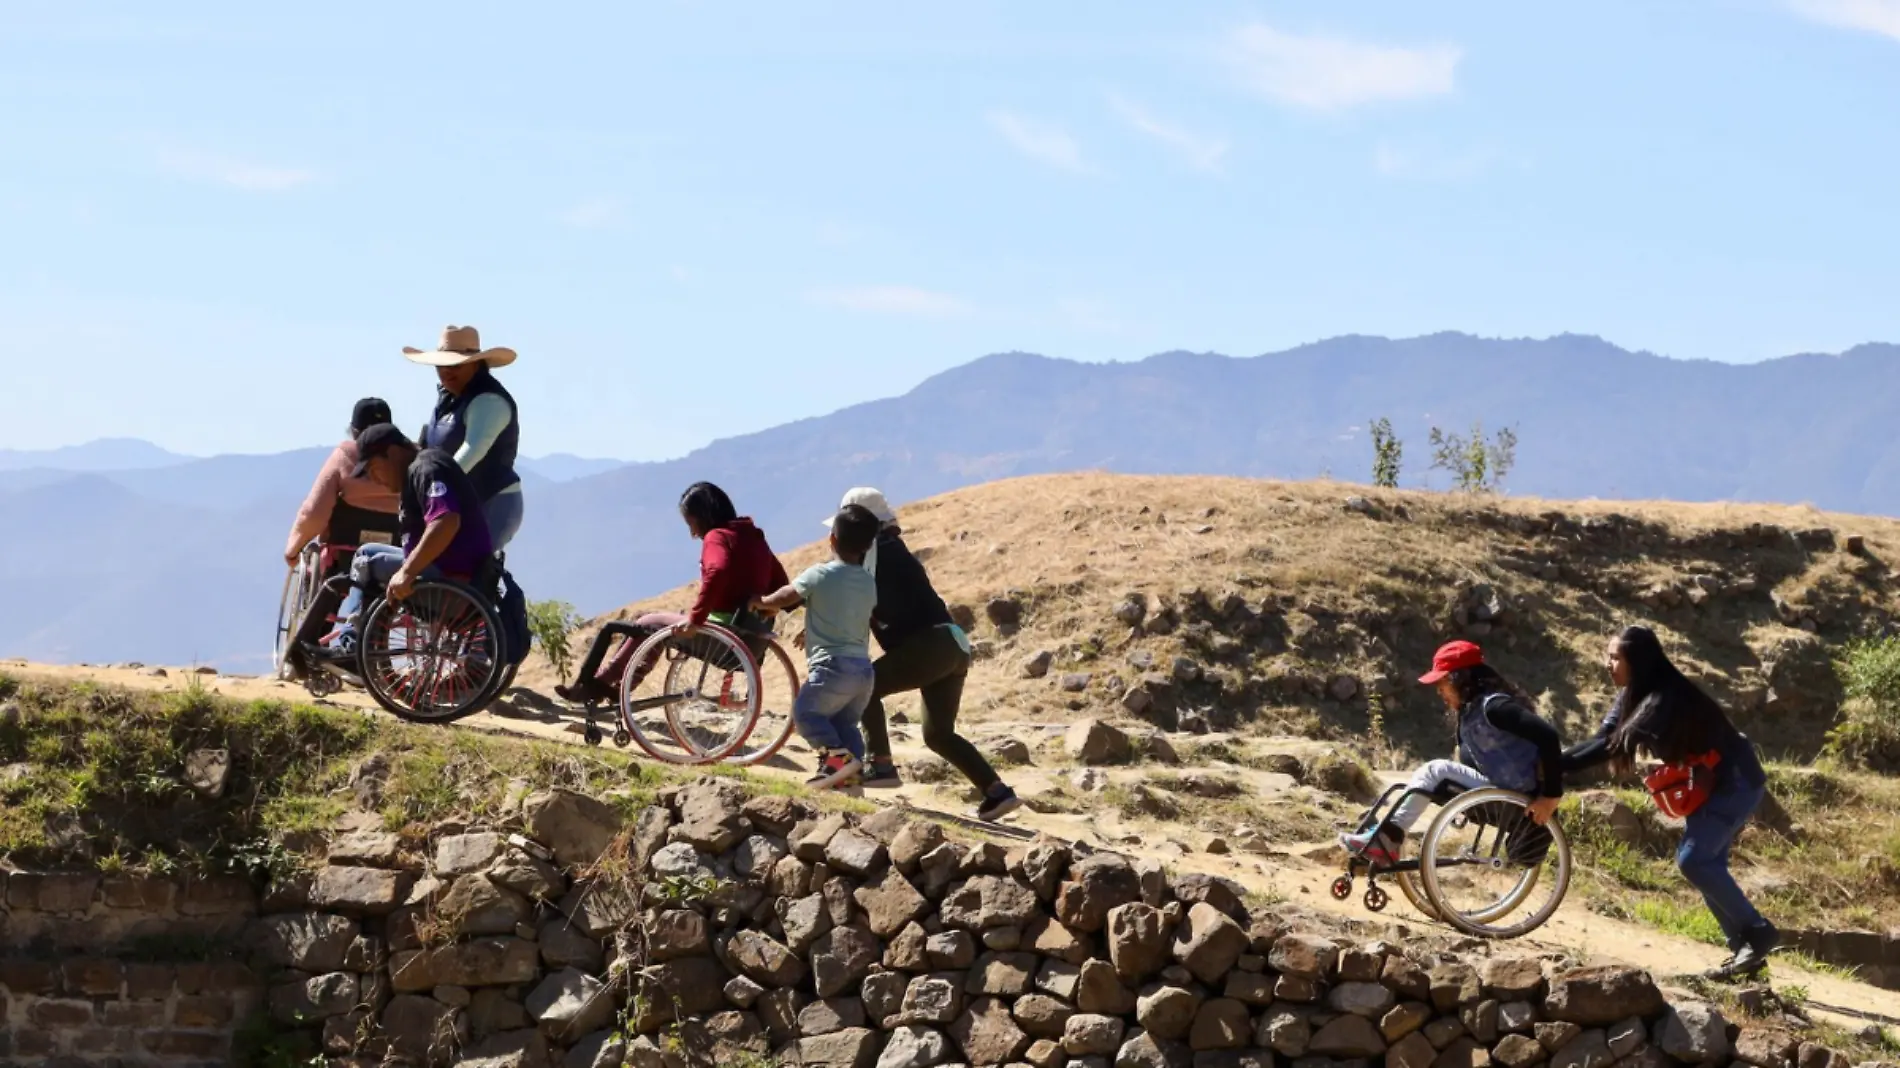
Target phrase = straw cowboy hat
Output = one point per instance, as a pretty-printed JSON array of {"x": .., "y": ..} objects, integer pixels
[{"x": 460, "y": 345}]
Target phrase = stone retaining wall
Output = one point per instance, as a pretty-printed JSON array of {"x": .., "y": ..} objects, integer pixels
[
  {"x": 1872, "y": 956},
  {"x": 718, "y": 929},
  {"x": 89, "y": 971}
]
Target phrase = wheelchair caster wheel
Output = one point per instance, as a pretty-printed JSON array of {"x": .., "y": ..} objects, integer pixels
[
  {"x": 591, "y": 735},
  {"x": 622, "y": 739},
  {"x": 1376, "y": 899},
  {"x": 1342, "y": 888}
]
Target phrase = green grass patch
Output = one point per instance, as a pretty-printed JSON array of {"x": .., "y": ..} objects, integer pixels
[
  {"x": 97, "y": 776},
  {"x": 1694, "y": 922}
]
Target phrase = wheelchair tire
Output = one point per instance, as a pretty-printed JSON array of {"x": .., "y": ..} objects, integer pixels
[
  {"x": 693, "y": 700},
  {"x": 1412, "y": 883},
  {"x": 772, "y": 725},
  {"x": 300, "y": 591},
  {"x": 434, "y": 657},
  {"x": 1477, "y": 875}
]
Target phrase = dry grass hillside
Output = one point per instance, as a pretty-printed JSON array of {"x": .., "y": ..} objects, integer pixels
[{"x": 1305, "y": 608}]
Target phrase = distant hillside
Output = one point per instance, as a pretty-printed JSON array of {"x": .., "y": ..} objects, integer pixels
[
  {"x": 1593, "y": 420},
  {"x": 105, "y": 454}
]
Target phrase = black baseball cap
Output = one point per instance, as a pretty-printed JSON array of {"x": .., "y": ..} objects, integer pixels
[
  {"x": 375, "y": 441},
  {"x": 368, "y": 412}
]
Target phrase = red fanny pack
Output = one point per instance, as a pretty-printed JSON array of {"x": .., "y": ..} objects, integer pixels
[{"x": 1674, "y": 789}]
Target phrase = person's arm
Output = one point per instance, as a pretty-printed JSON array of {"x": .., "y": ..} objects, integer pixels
[
  {"x": 313, "y": 518},
  {"x": 792, "y": 594},
  {"x": 1588, "y": 754},
  {"x": 487, "y": 417},
  {"x": 436, "y": 536},
  {"x": 783, "y": 599},
  {"x": 715, "y": 577}
]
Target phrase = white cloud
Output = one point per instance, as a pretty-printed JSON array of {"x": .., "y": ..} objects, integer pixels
[
  {"x": 892, "y": 300},
  {"x": 1039, "y": 141},
  {"x": 238, "y": 174},
  {"x": 1322, "y": 73},
  {"x": 1201, "y": 153},
  {"x": 598, "y": 213},
  {"x": 1869, "y": 16}
]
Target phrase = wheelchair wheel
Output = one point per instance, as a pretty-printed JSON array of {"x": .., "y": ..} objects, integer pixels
[
  {"x": 433, "y": 657},
  {"x": 1491, "y": 872},
  {"x": 300, "y": 591},
  {"x": 772, "y": 726},
  {"x": 690, "y": 700},
  {"x": 1412, "y": 883}
]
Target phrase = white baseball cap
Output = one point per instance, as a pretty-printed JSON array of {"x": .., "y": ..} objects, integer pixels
[{"x": 871, "y": 501}]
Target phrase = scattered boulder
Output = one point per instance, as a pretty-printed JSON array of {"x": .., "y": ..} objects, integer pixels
[
  {"x": 1093, "y": 742},
  {"x": 576, "y": 827},
  {"x": 1597, "y": 997}
]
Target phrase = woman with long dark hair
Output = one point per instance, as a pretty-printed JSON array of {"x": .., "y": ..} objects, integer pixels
[
  {"x": 735, "y": 565},
  {"x": 1660, "y": 712},
  {"x": 1502, "y": 739}
]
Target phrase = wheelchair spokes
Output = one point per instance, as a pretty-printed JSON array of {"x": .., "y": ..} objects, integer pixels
[
  {"x": 435, "y": 656},
  {"x": 691, "y": 700},
  {"x": 1493, "y": 871}
]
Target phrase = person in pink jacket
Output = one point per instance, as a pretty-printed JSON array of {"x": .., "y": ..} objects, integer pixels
[{"x": 341, "y": 510}]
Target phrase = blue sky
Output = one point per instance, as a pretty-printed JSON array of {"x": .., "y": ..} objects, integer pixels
[{"x": 219, "y": 222}]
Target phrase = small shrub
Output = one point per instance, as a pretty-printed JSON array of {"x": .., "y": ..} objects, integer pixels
[
  {"x": 1868, "y": 732},
  {"x": 1477, "y": 466},
  {"x": 552, "y": 623},
  {"x": 1388, "y": 452}
]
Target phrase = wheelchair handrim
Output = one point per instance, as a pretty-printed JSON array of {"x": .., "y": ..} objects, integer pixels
[
  {"x": 1481, "y": 922},
  {"x": 774, "y": 735},
  {"x": 675, "y": 745},
  {"x": 451, "y": 672}
]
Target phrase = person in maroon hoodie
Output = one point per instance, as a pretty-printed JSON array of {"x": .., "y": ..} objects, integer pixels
[{"x": 735, "y": 565}]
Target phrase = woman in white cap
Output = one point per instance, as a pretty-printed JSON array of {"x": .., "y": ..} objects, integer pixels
[
  {"x": 476, "y": 420},
  {"x": 923, "y": 651}
]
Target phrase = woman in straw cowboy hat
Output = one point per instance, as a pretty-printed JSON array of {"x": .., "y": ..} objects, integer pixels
[{"x": 476, "y": 420}]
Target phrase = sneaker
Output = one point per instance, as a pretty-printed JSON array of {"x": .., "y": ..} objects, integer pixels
[
  {"x": 1750, "y": 960},
  {"x": 1373, "y": 848},
  {"x": 996, "y": 806},
  {"x": 341, "y": 651},
  {"x": 835, "y": 768},
  {"x": 881, "y": 773},
  {"x": 585, "y": 691}
]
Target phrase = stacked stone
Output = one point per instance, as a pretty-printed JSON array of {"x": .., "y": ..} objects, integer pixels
[{"x": 722, "y": 929}]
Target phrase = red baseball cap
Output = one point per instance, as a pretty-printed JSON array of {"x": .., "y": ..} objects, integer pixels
[{"x": 1450, "y": 657}]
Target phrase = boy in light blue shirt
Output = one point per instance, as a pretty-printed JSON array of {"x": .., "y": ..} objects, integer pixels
[{"x": 839, "y": 596}]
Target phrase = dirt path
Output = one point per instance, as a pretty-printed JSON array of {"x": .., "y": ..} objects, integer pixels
[{"x": 1285, "y": 873}]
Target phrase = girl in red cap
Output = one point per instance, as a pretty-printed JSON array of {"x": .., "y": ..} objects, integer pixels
[{"x": 1503, "y": 741}]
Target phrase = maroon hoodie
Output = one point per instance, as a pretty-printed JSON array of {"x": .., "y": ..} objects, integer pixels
[{"x": 735, "y": 565}]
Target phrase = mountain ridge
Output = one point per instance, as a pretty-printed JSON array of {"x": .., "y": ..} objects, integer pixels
[{"x": 1593, "y": 420}]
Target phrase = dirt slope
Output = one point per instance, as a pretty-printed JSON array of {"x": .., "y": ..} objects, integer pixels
[{"x": 1296, "y": 602}]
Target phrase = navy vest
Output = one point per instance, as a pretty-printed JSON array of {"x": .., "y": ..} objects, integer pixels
[
  {"x": 449, "y": 428},
  {"x": 1500, "y": 756}
]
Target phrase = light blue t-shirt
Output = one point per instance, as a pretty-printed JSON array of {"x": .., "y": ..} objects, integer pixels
[{"x": 838, "y": 599}]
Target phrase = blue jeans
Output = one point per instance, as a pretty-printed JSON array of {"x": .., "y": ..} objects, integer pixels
[
  {"x": 371, "y": 568},
  {"x": 503, "y": 513},
  {"x": 831, "y": 703},
  {"x": 1703, "y": 856}
]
